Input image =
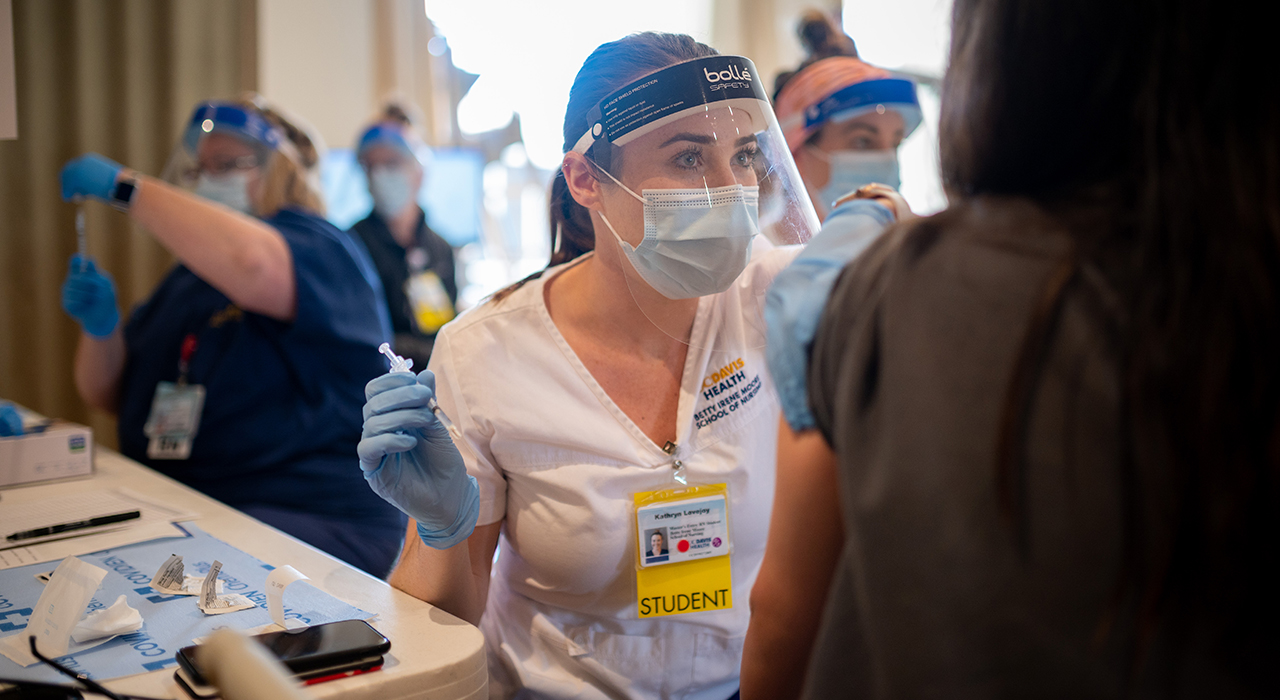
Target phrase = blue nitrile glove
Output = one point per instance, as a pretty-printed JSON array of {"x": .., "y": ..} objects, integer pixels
[
  {"x": 798, "y": 295},
  {"x": 90, "y": 175},
  {"x": 89, "y": 297},
  {"x": 10, "y": 420},
  {"x": 408, "y": 458}
]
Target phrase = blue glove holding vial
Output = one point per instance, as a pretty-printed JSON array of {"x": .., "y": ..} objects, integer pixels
[
  {"x": 408, "y": 458},
  {"x": 90, "y": 175},
  {"x": 796, "y": 299},
  {"x": 89, "y": 296}
]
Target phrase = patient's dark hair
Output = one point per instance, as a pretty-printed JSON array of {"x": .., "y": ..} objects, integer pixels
[
  {"x": 608, "y": 68},
  {"x": 1165, "y": 116}
]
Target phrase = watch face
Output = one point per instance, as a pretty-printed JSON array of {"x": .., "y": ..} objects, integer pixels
[{"x": 123, "y": 193}]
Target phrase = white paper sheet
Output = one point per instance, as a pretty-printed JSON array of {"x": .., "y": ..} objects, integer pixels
[
  {"x": 155, "y": 523},
  {"x": 96, "y": 542}
]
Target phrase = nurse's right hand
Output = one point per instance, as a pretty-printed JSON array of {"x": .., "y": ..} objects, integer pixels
[
  {"x": 89, "y": 297},
  {"x": 409, "y": 459}
]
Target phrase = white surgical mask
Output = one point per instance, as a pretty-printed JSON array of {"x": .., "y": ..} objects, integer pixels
[
  {"x": 230, "y": 189},
  {"x": 851, "y": 170},
  {"x": 696, "y": 242},
  {"x": 391, "y": 191}
]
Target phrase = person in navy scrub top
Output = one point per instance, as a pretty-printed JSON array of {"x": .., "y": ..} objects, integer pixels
[{"x": 243, "y": 374}]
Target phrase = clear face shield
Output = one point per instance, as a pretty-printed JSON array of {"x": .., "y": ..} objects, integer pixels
[
  {"x": 223, "y": 151},
  {"x": 889, "y": 103},
  {"x": 697, "y": 180}
]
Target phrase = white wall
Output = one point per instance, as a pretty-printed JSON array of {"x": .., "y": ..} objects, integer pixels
[
  {"x": 316, "y": 60},
  {"x": 764, "y": 31}
]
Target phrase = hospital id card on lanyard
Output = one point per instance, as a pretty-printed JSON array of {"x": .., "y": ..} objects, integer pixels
[
  {"x": 175, "y": 412},
  {"x": 429, "y": 301},
  {"x": 683, "y": 551}
]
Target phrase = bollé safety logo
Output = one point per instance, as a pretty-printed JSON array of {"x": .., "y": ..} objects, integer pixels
[{"x": 733, "y": 76}]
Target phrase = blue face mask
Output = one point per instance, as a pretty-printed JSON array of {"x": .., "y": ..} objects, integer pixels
[
  {"x": 391, "y": 190},
  {"x": 230, "y": 189},
  {"x": 696, "y": 242},
  {"x": 851, "y": 170}
]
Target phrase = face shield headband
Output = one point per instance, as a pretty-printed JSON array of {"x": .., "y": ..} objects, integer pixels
[
  {"x": 233, "y": 119},
  {"x": 846, "y": 103},
  {"x": 390, "y": 135},
  {"x": 672, "y": 93}
]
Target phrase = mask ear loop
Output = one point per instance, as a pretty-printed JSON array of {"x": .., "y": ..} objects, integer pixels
[
  {"x": 555, "y": 248},
  {"x": 626, "y": 246},
  {"x": 617, "y": 181}
]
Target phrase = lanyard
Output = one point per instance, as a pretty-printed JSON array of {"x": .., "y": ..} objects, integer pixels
[{"x": 184, "y": 359}]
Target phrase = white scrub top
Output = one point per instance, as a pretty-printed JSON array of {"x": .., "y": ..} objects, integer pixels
[{"x": 558, "y": 462}]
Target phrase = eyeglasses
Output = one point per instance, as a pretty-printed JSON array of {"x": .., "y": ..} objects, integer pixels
[
  {"x": 33, "y": 690},
  {"x": 219, "y": 167}
]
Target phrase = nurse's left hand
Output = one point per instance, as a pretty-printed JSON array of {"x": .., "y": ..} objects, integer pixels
[
  {"x": 409, "y": 459},
  {"x": 89, "y": 296},
  {"x": 798, "y": 295},
  {"x": 90, "y": 175}
]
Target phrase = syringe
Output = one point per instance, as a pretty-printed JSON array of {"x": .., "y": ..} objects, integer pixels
[
  {"x": 81, "y": 242},
  {"x": 400, "y": 364}
]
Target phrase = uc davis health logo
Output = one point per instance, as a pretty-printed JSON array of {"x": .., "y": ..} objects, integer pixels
[{"x": 731, "y": 73}]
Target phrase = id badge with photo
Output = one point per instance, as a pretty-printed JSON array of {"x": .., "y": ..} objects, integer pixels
[
  {"x": 174, "y": 420},
  {"x": 429, "y": 301},
  {"x": 683, "y": 551}
]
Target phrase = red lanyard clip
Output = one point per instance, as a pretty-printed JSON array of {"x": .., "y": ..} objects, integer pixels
[{"x": 184, "y": 360}]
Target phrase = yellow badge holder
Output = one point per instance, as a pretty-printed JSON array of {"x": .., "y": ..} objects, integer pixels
[
  {"x": 683, "y": 552},
  {"x": 429, "y": 301}
]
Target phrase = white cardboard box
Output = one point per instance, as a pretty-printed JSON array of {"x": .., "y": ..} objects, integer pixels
[{"x": 61, "y": 451}]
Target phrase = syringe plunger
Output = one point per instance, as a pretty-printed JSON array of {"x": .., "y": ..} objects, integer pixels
[{"x": 398, "y": 364}]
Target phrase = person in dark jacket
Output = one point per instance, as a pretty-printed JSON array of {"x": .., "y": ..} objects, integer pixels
[{"x": 415, "y": 263}]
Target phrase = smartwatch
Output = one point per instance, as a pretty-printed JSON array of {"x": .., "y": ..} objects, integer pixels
[{"x": 124, "y": 191}]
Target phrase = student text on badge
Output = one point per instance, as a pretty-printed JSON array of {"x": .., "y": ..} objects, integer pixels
[{"x": 684, "y": 602}]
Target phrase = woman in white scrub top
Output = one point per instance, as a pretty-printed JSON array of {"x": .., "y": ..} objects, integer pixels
[{"x": 634, "y": 359}]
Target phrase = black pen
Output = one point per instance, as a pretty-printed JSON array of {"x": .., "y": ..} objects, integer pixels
[{"x": 67, "y": 527}]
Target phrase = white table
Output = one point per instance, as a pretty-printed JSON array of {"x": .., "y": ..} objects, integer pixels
[{"x": 433, "y": 654}]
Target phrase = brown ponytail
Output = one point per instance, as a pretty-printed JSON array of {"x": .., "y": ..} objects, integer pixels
[
  {"x": 289, "y": 182},
  {"x": 822, "y": 37},
  {"x": 397, "y": 113}
]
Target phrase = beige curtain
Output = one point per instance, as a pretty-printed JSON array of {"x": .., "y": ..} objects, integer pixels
[{"x": 118, "y": 77}]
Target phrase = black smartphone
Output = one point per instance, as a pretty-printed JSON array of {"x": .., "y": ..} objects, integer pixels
[{"x": 312, "y": 653}]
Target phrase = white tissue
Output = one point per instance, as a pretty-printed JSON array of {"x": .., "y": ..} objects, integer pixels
[{"x": 109, "y": 622}]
